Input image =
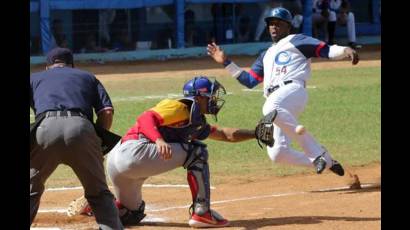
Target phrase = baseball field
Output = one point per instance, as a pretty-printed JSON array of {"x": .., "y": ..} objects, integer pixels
[{"x": 343, "y": 113}]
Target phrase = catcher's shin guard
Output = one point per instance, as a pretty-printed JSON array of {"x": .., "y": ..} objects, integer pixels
[{"x": 198, "y": 177}]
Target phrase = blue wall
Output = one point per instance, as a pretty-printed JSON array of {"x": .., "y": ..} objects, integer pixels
[{"x": 43, "y": 10}]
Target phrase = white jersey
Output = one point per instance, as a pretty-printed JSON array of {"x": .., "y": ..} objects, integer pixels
[
  {"x": 287, "y": 60},
  {"x": 284, "y": 61}
]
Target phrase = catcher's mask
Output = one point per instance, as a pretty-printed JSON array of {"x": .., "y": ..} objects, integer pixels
[{"x": 212, "y": 89}]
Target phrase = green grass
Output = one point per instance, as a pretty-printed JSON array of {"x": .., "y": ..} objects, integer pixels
[{"x": 343, "y": 113}]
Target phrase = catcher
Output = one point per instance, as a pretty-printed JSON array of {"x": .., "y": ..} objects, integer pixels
[{"x": 166, "y": 137}]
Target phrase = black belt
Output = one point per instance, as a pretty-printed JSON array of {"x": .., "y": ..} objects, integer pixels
[
  {"x": 64, "y": 114},
  {"x": 273, "y": 88}
]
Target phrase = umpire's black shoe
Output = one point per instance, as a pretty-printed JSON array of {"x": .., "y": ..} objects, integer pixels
[
  {"x": 337, "y": 168},
  {"x": 320, "y": 163}
]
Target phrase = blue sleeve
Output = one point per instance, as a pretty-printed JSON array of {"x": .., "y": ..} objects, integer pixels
[
  {"x": 103, "y": 99},
  {"x": 255, "y": 75},
  {"x": 310, "y": 47}
]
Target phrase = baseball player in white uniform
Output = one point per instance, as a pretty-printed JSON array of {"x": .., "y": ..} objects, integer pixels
[{"x": 284, "y": 69}]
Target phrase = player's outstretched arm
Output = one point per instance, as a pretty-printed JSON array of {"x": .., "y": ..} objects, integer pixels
[
  {"x": 249, "y": 79},
  {"x": 339, "y": 52},
  {"x": 216, "y": 53},
  {"x": 231, "y": 134}
]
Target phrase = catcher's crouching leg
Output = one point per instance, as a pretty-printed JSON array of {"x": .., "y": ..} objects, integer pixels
[{"x": 198, "y": 179}]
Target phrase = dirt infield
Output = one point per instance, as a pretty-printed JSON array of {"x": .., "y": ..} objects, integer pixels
[{"x": 306, "y": 202}]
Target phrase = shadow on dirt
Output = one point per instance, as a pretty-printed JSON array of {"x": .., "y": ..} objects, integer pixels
[
  {"x": 166, "y": 225},
  {"x": 368, "y": 188},
  {"x": 263, "y": 222}
]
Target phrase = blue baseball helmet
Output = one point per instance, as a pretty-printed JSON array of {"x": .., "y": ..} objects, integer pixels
[
  {"x": 203, "y": 86},
  {"x": 279, "y": 13}
]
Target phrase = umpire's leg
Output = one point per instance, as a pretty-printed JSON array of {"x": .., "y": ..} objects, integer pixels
[
  {"x": 44, "y": 159},
  {"x": 42, "y": 165},
  {"x": 86, "y": 160}
]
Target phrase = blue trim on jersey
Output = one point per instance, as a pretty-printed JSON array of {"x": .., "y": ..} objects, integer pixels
[
  {"x": 309, "y": 46},
  {"x": 246, "y": 79}
]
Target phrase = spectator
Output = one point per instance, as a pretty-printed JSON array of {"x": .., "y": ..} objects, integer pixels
[
  {"x": 190, "y": 33},
  {"x": 123, "y": 42},
  {"x": 58, "y": 36},
  {"x": 345, "y": 17},
  {"x": 244, "y": 31},
  {"x": 91, "y": 45},
  {"x": 328, "y": 13},
  {"x": 64, "y": 43},
  {"x": 321, "y": 17},
  {"x": 194, "y": 36},
  {"x": 105, "y": 18},
  {"x": 164, "y": 38},
  {"x": 223, "y": 28},
  {"x": 380, "y": 10}
]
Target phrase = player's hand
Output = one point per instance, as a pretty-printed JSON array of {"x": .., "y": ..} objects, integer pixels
[
  {"x": 216, "y": 53},
  {"x": 352, "y": 54},
  {"x": 164, "y": 149}
]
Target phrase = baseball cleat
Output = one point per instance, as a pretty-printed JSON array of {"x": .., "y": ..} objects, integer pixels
[
  {"x": 354, "y": 45},
  {"x": 320, "y": 163},
  {"x": 131, "y": 217},
  {"x": 337, "y": 168},
  {"x": 211, "y": 219}
]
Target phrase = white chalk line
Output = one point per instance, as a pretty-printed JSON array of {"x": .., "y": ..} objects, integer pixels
[
  {"x": 44, "y": 228},
  {"x": 235, "y": 200},
  {"x": 261, "y": 90},
  {"x": 266, "y": 196},
  {"x": 150, "y": 97},
  {"x": 144, "y": 186}
]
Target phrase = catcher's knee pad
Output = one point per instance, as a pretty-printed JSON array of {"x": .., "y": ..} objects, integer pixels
[
  {"x": 198, "y": 177},
  {"x": 131, "y": 217}
]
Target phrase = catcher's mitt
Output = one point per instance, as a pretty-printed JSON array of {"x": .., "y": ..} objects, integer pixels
[
  {"x": 79, "y": 206},
  {"x": 264, "y": 129}
]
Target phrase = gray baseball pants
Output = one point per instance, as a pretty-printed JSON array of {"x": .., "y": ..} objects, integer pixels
[
  {"x": 71, "y": 140},
  {"x": 129, "y": 164}
]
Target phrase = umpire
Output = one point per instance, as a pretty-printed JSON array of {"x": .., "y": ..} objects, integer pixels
[{"x": 63, "y": 99}]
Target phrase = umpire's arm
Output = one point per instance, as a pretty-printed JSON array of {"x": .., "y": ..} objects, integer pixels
[
  {"x": 104, "y": 119},
  {"x": 231, "y": 134}
]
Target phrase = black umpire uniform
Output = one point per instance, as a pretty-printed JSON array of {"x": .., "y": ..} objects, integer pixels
[{"x": 63, "y": 99}]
